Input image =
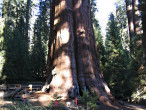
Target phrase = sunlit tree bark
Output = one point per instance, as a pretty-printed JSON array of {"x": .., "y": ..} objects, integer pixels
[
  {"x": 61, "y": 49},
  {"x": 72, "y": 58},
  {"x": 136, "y": 18},
  {"x": 129, "y": 8}
]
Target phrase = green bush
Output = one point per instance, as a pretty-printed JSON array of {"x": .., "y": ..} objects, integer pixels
[
  {"x": 90, "y": 100},
  {"x": 52, "y": 105}
]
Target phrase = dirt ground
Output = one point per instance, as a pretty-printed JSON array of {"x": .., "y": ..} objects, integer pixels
[{"x": 44, "y": 99}]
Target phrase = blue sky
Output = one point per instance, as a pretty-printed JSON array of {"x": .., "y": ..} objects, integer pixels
[
  {"x": 0, "y": 10},
  {"x": 0, "y": 7},
  {"x": 105, "y": 7}
]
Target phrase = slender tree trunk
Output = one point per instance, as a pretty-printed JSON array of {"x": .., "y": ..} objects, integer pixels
[
  {"x": 136, "y": 18},
  {"x": 129, "y": 8},
  {"x": 27, "y": 18},
  {"x": 72, "y": 57},
  {"x": 50, "y": 44}
]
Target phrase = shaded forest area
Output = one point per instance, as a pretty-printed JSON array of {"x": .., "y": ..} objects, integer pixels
[{"x": 122, "y": 54}]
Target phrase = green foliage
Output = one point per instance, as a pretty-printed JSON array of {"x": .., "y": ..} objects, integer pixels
[
  {"x": 138, "y": 70},
  {"x": 90, "y": 101},
  {"x": 17, "y": 61},
  {"x": 24, "y": 60},
  {"x": 56, "y": 97},
  {"x": 98, "y": 35},
  {"x": 124, "y": 62},
  {"x": 142, "y": 6},
  {"x": 92, "y": 105},
  {"x": 122, "y": 23},
  {"x": 59, "y": 105},
  {"x": 117, "y": 58},
  {"x": 39, "y": 42},
  {"x": 93, "y": 9}
]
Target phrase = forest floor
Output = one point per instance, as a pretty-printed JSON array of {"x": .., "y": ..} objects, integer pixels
[{"x": 39, "y": 99}]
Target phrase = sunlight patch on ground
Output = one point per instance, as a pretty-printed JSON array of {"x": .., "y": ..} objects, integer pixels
[
  {"x": 1, "y": 94},
  {"x": 44, "y": 98},
  {"x": 3, "y": 102}
]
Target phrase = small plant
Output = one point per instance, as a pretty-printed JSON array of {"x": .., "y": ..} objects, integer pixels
[
  {"x": 56, "y": 97},
  {"x": 92, "y": 105},
  {"x": 90, "y": 101},
  {"x": 53, "y": 105}
]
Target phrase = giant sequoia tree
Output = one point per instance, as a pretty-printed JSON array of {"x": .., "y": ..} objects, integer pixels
[{"x": 72, "y": 59}]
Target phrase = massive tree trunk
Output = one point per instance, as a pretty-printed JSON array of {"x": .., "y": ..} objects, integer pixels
[
  {"x": 61, "y": 50},
  {"x": 129, "y": 8},
  {"x": 72, "y": 58},
  {"x": 86, "y": 56}
]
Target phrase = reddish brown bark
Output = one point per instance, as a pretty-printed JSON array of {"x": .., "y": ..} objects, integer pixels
[
  {"x": 72, "y": 57},
  {"x": 86, "y": 51},
  {"x": 136, "y": 18},
  {"x": 62, "y": 64},
  {"x": 129, "y": 8}
]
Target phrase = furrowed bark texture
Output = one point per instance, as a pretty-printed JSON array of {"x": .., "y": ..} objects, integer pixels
[
  {"x": 87, "y": 61},
  {"x": 61, "y": 54},
  {"x": 72, "y": 58},
  {"x": 129, "y": 8},
  {"x": 136, "y": 17}
]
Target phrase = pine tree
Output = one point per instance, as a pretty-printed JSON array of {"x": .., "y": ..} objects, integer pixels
[
  {"x": 40, "y": 38},
  {"x": 123, "y": 24},
  {"x": 98, "y": 36},
  {"x": 116, "y": 58},
  {"x": 17, "y": 61}
]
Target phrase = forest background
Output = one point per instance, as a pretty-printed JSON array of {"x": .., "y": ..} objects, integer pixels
[{"x": 24, "y": 46}]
